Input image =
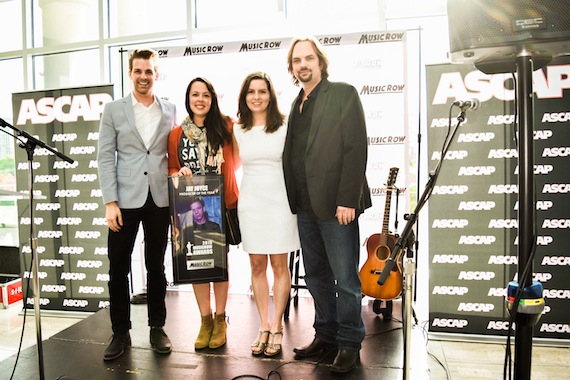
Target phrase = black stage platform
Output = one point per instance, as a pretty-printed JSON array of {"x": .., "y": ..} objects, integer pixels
[{"x": 77, "y": 352}]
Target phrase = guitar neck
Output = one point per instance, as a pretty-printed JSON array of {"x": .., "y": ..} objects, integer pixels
[{"x": 385, "y": 222}]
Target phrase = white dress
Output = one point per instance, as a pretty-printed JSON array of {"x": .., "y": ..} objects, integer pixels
[{"x": 266, "y": 222}]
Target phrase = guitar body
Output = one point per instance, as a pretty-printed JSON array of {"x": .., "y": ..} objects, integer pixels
[
  {"x": 378, "y": 253},
  {"x": 379, "y": 247}
]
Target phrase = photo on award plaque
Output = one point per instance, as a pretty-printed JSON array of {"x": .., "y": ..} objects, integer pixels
[{"x": 198, "y": 239}]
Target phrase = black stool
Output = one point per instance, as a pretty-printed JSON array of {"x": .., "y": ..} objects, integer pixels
[{"x": 294, "y": 263}]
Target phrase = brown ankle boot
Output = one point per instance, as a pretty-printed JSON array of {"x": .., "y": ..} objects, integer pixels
[
  {"x": 218, "y": 338},
  {"x": 205, "y": 332}
]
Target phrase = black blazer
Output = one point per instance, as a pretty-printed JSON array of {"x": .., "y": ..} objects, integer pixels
[{"x": 335, "y": 159}]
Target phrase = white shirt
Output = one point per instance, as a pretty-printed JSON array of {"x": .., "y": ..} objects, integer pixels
[{"x": 146, "y": 119}]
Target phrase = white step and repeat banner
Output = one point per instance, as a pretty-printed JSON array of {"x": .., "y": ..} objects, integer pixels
[
  {"x": 374, "y": 63},
  {"x": 473, "y": 208}
]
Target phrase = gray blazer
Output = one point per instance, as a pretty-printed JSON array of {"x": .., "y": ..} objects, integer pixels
[{"x": 127, "y": 169}]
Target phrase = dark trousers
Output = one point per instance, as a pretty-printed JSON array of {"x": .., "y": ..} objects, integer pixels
[{"x": 155, "y": 222}]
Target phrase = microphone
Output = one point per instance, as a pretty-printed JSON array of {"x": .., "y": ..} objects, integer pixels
[{"x": 471, "y": 104}]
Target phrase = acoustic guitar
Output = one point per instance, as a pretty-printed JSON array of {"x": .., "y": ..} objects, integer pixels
[{"x": 379, "y": 247}]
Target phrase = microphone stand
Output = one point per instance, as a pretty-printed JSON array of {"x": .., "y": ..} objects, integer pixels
[
  {"x": 405, "y": 241},
  {"x": 30, "y": 145}
]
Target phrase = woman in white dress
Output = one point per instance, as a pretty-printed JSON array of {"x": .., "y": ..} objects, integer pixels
[{"x": 269, "y": 229}]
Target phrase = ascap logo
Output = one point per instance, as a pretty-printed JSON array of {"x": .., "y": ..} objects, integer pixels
[
  {"x": 542, "y": 277},
  {"x": 556, "y": 152},
  {"x": 70, "y": 250},
  {"x": 555, "y": 328},
  {"x": 477, "y": 239},
  {"x": 90, "y": 149},
  {"x": 556, "y": 117},
  {"x": 52, "y": 263},
  {"x": 453, "y": 85},
  {"x": 256, "y": 46},
  {"x": 542, "y": 135},
  {"x": 65, "y": 109},
  {"x": 93, "y": 136},
  {"x": 43, "y": 152},
  {"x": 502, "y": 153},
  {"x": 46, "y": 178},
  {"x": 540, "y": 205},
  {"x": 70, "y": 302},
  {"x": 99, "y": 221},
  {"x": 65, "y": 165},
  {"x": 476, "y": 275},
  {"x": 89, "y": 264},
  {"x": 538, "y": 169},
  {"x": 41, "y": 275},
  {"x": 93, "y": 164},
  {"x": 501, "y": 119},
  {"x": 381, "y": 37},
  {"x": 556, "y": 188},
  {"x": 476, "y": 307},
  {"x": 450, "y": 190},
  {"x": 43, "y": 301},
  {"x": 556, "y": 293},
  {"x": 104, "y": 277},
  {"x": 102, "y": 251},
  {"x": 91, "y": 289},
  {"x": 96, "y": 193},
  {"x": 85, "y": 206},
  {"x": 499, "y": 325},
  {"x": 558, "y": 224},
  {"x": 104, "y": 304},
  {"x": 27, "y": 249},
  {"x": 50, "y": 234},
  {"x": 57, "y": 137},
  {"x": 73, "y": 276},
  {"x": 66, "y": 221},
  {"x": 476, "y": 137},
  {"x": 87, "y": 234},
  {"x": 443, "y": 122},
  {"x": 450, "y": 155},
  {"x": 449, "y": 322},
  {"x": 503, "y": 189},
  {"x": 497, "y": 292},
  {"x": 54, "y": 288},
  {"x": 503, "y": 260},
  {"x": 555, "y": 261},
  {"x": 450, "y": 259},
  {"x": 542, "y": 240},
  {"x": 503, "y": 223},
  {"x": 382, "y": 89},
  {"x": 476, "y": 170},
  {"x": 450, "y": 223},
  {"x": 450, "y": 290},
  {"x": 476, "y": 205},
  {"x": 25, "y": 165},
  {"x": 62, "y": 193},
  {"x": 26, "y": 220},
  {"x": 84, "y": 178}
]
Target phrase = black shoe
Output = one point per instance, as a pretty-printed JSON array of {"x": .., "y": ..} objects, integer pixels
[
  {"x": 317, "y": 346},
  {"x": 159, "y": 340},
  {"x": 345, "y": 361},
  {"x": 117, "y": 346}
]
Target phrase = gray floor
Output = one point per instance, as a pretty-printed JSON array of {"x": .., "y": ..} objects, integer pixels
[{"x": 83, "y": 340}]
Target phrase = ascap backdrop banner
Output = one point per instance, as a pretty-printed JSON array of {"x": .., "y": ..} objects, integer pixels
[
  {"x": 473, "y": 208},
  {"x": 374, "y": 63},
  {"x": 68, "y": 212}
]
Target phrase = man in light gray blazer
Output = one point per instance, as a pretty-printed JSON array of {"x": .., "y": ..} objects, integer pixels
[{"x": 133, "y": 173}]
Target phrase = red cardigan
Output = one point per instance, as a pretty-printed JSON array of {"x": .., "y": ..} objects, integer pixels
[{"x": 231, "y": 190}]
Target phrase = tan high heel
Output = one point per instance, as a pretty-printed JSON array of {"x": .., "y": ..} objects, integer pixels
[
  {"x": 258, "y": 346},
  {"x": 273, "y": 348}
]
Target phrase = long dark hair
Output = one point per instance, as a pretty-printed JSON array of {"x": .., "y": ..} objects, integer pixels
[
  {"x": 275, "y": 118},
  {"x": 216, "y": 123}
]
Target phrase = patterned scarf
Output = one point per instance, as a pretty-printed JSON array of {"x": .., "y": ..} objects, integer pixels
[{"x": 206, "y": 155}]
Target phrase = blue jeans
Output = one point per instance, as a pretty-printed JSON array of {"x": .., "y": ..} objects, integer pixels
[{"x": 331, "y": 252}]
